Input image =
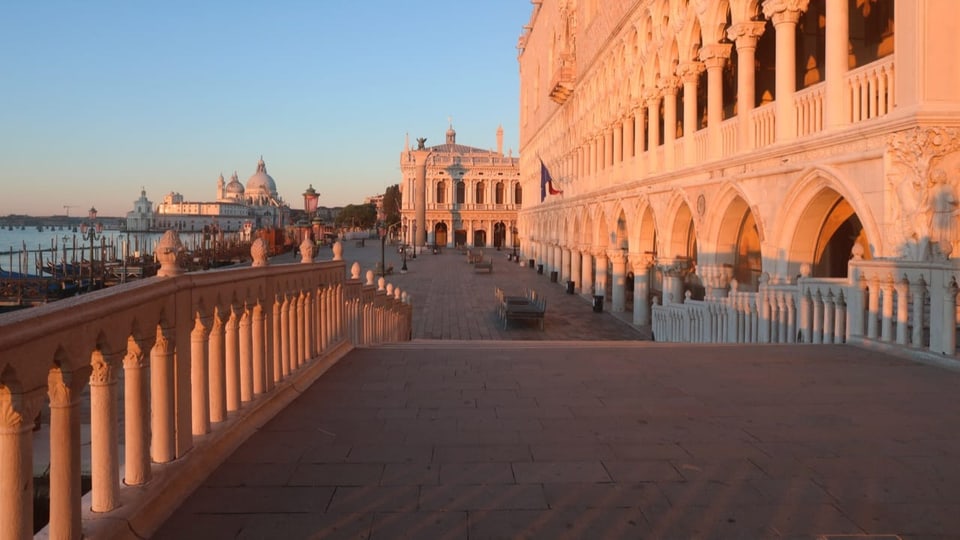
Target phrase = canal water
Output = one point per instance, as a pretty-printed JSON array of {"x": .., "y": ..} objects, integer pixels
[{"x": 22, "y": 250}]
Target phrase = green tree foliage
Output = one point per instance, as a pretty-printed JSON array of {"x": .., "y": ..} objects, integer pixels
[
  {"x": 392, "y": 200},
  {"x": 362, "y": 216}
]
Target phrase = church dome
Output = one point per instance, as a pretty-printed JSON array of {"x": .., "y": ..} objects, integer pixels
[
  {"x": 261, "y": 183},
  {"x": 234, "y": 187}
]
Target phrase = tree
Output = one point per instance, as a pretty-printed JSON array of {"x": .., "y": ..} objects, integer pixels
[
  {"x": 362, "y": 216},
  {"x": 392, "y": 201}
]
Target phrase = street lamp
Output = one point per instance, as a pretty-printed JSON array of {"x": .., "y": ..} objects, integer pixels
[
  {"x": 91, "y": 231},
  {"x": 403, "y": 251},
  {"x": 384, "y": 232}
]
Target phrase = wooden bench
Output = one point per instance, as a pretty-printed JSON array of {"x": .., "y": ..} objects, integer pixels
[{"x": 483, "y": 266}]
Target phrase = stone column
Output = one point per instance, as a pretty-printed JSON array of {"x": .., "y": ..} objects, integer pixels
[
  {"x": 668, "y": 87},
  {"x": 246, "y": 355},
  {"x": 619, "y": 260},
  {"x": 104, "y": 436},
  {"x": 420, "y": 156},
  {"x": 136, "y": 411},
  {"x": 17, "y": 412},
  {"x": 199, "y": 371},
  {"x": 745, "y": 35},
  {"x": 600, "y": 257},
  {"x": 689, "y": 73},
  {"x": 216, "y": 366},
  {"x": 653, "y": 130},
  {"x": 232, "y": 360},
  {"x": 564, "y": 265},
  {"x": 259, "y": 350},
  {"x": 609, "y": 142},
  {"x": 586, "y": 271},
  {"x": 714, "y": 57},
  {"x": 836, "y": 64},
  {"x": 162, "y": 442},
  {"x": 640, "y": 162},
  {"x": 785, "y": 14},
  {"x": 641, "y": 289},
  {"x": 575, "y": 267},
  {"x": 626, "y": 126},
  {"x": 64, "y": 388}
]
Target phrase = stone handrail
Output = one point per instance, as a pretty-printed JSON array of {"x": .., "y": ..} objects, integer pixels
[{"x": 203, "y": 359}]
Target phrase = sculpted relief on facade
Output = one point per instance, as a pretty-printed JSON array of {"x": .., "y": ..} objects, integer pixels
[{"x": 923, "y": 170}]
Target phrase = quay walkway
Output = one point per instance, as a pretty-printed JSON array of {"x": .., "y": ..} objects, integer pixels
[{"x": 585, "y": 431}]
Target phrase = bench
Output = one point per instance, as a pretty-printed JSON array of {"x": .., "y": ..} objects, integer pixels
[
  {"x": 528, "y": 307},
  {"x": 482, "y": 266},
  {"x": 473, "y": 258}
]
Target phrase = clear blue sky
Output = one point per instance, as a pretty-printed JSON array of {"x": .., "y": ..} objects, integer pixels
[{"x": 100, "y": 98}]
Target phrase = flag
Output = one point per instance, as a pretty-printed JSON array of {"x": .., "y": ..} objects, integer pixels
[{"x": 546, "y": 183}]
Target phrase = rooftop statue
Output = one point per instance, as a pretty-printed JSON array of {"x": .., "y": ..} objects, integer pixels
[{"x": 421, "y": 143}]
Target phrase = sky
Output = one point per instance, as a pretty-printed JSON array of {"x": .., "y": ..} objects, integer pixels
[{"x": 99, "y": 99}]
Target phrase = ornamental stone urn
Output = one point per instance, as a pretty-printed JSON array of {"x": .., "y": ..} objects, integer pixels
[
  {"x": 338, "y": 252},
  {"x": 307, "y": 250},
  {"x": 168, "y": 250},
  {"x": 258, "y": 251}
]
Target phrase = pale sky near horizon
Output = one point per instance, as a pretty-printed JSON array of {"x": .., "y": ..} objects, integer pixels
[{"x": 100, "y": 98}]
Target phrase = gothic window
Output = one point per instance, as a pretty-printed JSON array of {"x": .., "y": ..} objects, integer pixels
[
  {"x": 499, "y": 194},
  {"x": 517, "y": 194},
  {"x": 441, "y": 188},
  {"x": 461, "y": 192},
  {"x": 479, "y": 199}
]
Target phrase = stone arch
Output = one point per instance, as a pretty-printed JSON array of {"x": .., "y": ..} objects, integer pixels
[
  {"x": 621, "y": 232},
  {"x": 737, "y": 238},
  {"x": 824, "y": 219},
  {"x": 680, "y": 239}
]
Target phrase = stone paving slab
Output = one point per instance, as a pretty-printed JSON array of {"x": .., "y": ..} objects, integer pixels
[{"x": 712, "y": 442}]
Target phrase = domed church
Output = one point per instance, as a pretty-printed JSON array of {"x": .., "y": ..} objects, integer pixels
[{"x": 237, "y": 207}]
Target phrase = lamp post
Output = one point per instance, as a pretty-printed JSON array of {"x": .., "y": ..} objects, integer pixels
[
  {"x": 384, "y": 233},
  {"x": 413, "y": 231},
  {"x": 403, "y": 251},
  {"x": 91, "y": 231},
  {"x": 516, "y": 244}
]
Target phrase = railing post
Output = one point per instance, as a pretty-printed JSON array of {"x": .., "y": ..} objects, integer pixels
[
  {"x": 902, "y": 289},
  {"x": 199, "y": 376},
  {"x": 17, "y": 411},
  {"x": 232, "y": 363},
  {"x": 840, "y": 329},
  {"x": 216, "y": 366},
  {"x": 104, "y": 436},
  {"x": 136, "y": 412},
  {"x": 919, "y": 296},
  {"x": 245, "y": 337},
  {"x": 886, "y": 327},
  {"x": 162, "y": 442},
  {"x": 949, "y": 339},
  {"x": 873, "y": 310},
  {"x": 64, "y": 388}
]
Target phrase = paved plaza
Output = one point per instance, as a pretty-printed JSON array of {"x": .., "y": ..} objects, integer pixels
[
  {"x": 487, "y": 434},
  {"x": 451, "y": 301}
]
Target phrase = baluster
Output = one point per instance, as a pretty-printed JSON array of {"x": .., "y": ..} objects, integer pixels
[
  {"x": 259, "y": 351},
  {"x": 919, "y": 296},
  {"x": 136, "y": 412},
  {"x": 818, "y": 317},
  {"x": 17, "y": 412},
  {"x": 245, "y": 357},
  {"x": 886, "y": 325},
  {"x": 162, "y": 442},
  {"x": 64, "y": 389},
  {"x": 828, "y": 312},
  {"x": 217, "y": 365},
  {"x": 232, "y": 360},
  {"x": 840, "y": 328},
  {"x": 902, "y": 290},
  {"x": 199, "y": 373},
  {"x": 104, "y": 433},
  {"x": 873, "y": 309}
]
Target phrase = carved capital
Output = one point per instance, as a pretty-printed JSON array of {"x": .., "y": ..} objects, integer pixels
[
  {"x": 689, "y": 72},
  {"x": 617, "y": 256},
  {"x": 715, "y": 55},
  {"x": 18, "y": 409},
  {"x": 784, "y": 11},
  {"x": 746, "y": 34}
]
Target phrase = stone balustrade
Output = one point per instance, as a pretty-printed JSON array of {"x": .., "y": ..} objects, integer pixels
[
  {"x": 896, "y": 303},
  {"x": 186, "y": 364}
]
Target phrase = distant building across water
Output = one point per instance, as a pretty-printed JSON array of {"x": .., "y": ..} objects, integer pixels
[{"x": 236, "y": 208}]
